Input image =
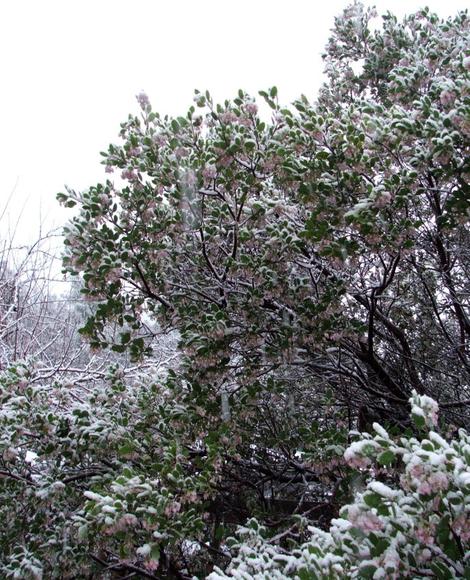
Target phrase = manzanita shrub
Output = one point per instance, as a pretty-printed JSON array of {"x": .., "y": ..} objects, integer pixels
[
  {"x": 416, "y": 527},
  {"x": 315, "y": 266},
  {"x": 328, "y": 245}
]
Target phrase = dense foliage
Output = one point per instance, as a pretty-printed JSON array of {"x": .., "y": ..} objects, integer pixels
[
  {"x": 421, "y": 529},
  {"x": 328, "y": 245},
  {"x": 316, "y": 271}
]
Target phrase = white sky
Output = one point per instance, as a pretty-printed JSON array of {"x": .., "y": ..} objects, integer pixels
[{"x": 70, "y": 70}]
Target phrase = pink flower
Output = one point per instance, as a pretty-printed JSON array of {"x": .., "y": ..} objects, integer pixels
[
  {"x": 369, "y": 523},
  {"x": 416, "y": 470},
  {"x": 172, "y": 509},
  {"x": 424, "y": 488},
  {"x": 113, "y": 275},
  {"x": 180, "y": 152},
  {"x": 224, "y": 160},
  {"x": 151, "y": 565},
  {"x": 159, "y": 140},
  {"x": 209, "y": 172},
  {"x": 447, "y": 97},
  {"x": 129, "y": 174},
  {"x": 143, "y": 100},
  {"x": 148, "y": 215},
  {"x": 109, "y": 169},
  {"x": 190, "y": 497},
  {"x": 425, "y": 535},
  {"x": 189, "y": 178},
  {"x": 252, "y": 108},
  {"x": 127, "y": 520},
  {"x": 10, "y": 454},
  {"x": 391, "y": 561},
  {"x": 228, "y": 117},
  {"x": 438, "y": 481},
  {"x": 461, "y": 527},
  {"x": 104, "y": 199},
  {"x": 354, "y": 458},
  {"x": 424, "y": 555},
  {"x": 366, "y": 521},
  {"x": 245, "y": 121},
  {"x": 383, "y": 199}
]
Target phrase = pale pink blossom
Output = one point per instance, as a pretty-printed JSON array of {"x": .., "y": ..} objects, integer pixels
[
  {"x": 190, "y": 497},
  {"x": 425, "y": 534},
  {"x": 424, "y": 488},
  {"x": 461, "y": 527},
  {"x": 224, "y": 160},
  {"x": 366, "y": 521},
  {"x": 126, "y": 521},
  {"x": 172, "y": 509},
  {"x": 143, "y": 100},
  {"x": 252, "y": 108},
  {"x": 416, "y": 470},
  {"x": 129, "y": 174},
  {"x": 355, "y": 457},
  {"x": 10, "y": 454},
  {"x": 113, "y": 275},
  {"x": 209, "y": 172},
  {"x": 243, "y": 120},
  {"x": 159, "y": 140},
  {"x": 438, "y": 481},
  {"x": 228, "y": 117},
  {"x": 151, "y": 565},
  {"x": 447, "y": 97},
  {"x": 148, "y": 215},
  {"x": 104, "y": 199},
  {"x": 383, "y": 199},
  {"x": 424, "y": 555},
  {"x": 391, "y": 561},
  {"x": 426, "y": 407},
  {"x": 180, "y": 152}
]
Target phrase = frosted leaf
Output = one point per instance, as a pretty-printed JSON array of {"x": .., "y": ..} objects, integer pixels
[{"x": 383, "y": 490}]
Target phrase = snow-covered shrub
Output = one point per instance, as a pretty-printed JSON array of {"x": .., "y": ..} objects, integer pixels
[
  {"x": 417, "y": 528},
  {"x": 89, "y": 467}
]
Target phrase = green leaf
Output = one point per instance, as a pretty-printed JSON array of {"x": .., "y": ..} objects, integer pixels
[
  {"x": 118, "y": 348},
  {"x": 219, "y": 533},
  {"x": 125, "y": 337},
  {"x": 386, "y": 457},
  {"x": 126, "y": 449},
  {"x": 372, "y": 499},
  {"x": 446, "y": 539},
  {"x": 367, "y": 572},
  {"x": 419, "y": 421},
  {"x": 379, "y": 546},
  {"x": 441, "y": 571},
  {"x": 305, "y": 574}
]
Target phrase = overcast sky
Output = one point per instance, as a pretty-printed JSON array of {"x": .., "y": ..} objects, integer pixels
[{"x": 70, "y": 70}]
